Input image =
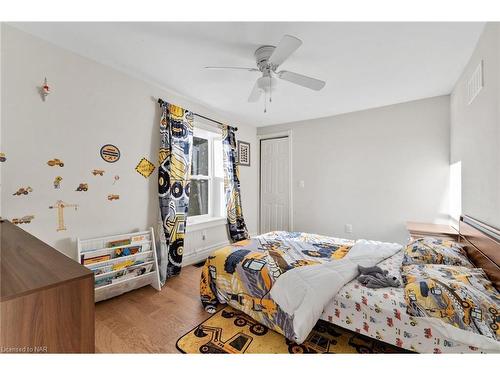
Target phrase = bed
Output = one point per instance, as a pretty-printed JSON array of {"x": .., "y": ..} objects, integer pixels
[
  {"x": 381, "y": 314},
  {"x": 249, "y": 276}
]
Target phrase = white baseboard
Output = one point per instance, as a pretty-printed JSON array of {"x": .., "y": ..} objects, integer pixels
[{"x": 202, "y": 254}]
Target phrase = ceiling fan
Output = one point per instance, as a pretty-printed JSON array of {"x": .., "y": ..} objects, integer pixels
[{"x": 268, "y": 59}]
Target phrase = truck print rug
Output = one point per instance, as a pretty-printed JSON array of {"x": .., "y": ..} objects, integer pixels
[{"x": 230, "y": 331}]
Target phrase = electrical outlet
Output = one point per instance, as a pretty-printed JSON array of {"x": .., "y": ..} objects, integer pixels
[
  {"x": 302, "y": 184},
  {"x": 348, "y": 228}
]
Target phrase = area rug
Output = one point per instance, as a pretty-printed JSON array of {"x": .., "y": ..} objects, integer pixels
[{"x": 230, "y": 331}]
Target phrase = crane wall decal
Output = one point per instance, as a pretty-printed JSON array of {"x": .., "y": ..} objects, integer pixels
[{"x": 60, "y": 206}]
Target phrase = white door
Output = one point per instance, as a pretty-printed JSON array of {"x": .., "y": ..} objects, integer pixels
[{"x": 274, "y": 184}]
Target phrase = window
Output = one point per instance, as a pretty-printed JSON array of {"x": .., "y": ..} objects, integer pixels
[{"x": 206, "y": 196}]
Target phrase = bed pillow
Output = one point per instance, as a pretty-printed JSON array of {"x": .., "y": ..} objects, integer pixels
[
  {"x": 430, "y": 250},
  {"x": 461, "y": 296}
]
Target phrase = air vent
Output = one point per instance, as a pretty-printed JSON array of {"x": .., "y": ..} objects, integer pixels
[{"x": 475, "y": 83}]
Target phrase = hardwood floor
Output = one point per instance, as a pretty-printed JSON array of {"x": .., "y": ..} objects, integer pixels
[{"x": 148, "y": 321}]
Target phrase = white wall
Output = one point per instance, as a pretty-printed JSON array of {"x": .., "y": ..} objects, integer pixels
[
  {"x": 91, "y": 105},
  {"x": 374, "y": 169},
  {"x": 475, "y": 132},
  {"x": 1, "y": 148}
]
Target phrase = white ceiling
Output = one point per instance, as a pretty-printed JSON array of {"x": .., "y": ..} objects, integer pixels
[{"x": 365, "y": 65}]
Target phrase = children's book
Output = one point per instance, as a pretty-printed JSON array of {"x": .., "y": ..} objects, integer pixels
[
  {"x": 123, "y": 242},
  {"x": 97, "y": 259}
]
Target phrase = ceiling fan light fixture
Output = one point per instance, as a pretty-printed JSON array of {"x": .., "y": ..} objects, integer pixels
[
  {"x": 268, "y": 58},
  {"x": 267, "y": 84}
]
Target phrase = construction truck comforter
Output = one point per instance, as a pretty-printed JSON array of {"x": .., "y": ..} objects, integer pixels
[
  {"x": 284, "y": 280},
  {"x": 382, "y": 314}
]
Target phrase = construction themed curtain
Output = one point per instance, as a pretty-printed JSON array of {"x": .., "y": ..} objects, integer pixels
[
  {"x": 176, "y": 132},
  {"x": 236, "y": 224}
]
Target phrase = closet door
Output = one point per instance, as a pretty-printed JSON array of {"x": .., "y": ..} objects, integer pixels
[{"x": 275, "y": 184}]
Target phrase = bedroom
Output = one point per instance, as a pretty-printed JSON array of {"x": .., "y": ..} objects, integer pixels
[{"x": 193, "y": 187}]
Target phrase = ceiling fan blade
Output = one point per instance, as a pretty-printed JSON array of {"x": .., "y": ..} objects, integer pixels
[
  {"x": 299, "y": 79},
  {"x": 231, "y": 68},
  {"x": 255, "y": 94},
  {"x": 285, "y": 48}
]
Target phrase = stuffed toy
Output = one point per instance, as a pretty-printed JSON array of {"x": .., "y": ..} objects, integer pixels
[{"x": 375, "y": 277}]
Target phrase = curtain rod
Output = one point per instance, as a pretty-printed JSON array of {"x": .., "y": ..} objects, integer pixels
[{"x": 161, "y": 101}]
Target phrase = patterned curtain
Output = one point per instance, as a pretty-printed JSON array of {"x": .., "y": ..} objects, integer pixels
[
  {"x": 236, "y": 223},
  {"x": 176, "y": 132}
]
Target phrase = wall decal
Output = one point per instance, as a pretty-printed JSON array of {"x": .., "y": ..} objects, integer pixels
[
  {"x": 110, "y": 153},
  {"x": 82, "y": 187},
  {"x": 116, "y": 178},
  {"x": 2, "y": 157},
  {"x": 24, "y": 220},
  {"x": 99, "y": 172},
  {"x": 243, "y": 153},
  {"x": 45, "y": 89},
  {"x": 23, "y": 191},
  {"x": 145, "y": 168},
  {"x": 113, "y": 197},
  {"x": 57, "y": 182},
  {"x": 60, "y": 206},
  {"x": 54, "y": 162}
]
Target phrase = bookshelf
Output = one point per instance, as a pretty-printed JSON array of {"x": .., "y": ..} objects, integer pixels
[{"x": 120, "y": 263}]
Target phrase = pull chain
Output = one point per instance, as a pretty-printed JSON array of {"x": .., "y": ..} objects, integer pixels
[{"x": 270, "y": 89}]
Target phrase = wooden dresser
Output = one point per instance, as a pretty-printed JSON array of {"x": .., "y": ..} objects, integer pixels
[
  {"x": 46, "y": 299},
  {"x": 443, "y": 231}
]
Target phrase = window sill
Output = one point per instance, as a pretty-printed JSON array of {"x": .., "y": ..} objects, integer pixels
[{"x": 194, "y": 225}]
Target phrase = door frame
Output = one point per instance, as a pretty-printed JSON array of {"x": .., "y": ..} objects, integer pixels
[{"x": 281, "y": 134}]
